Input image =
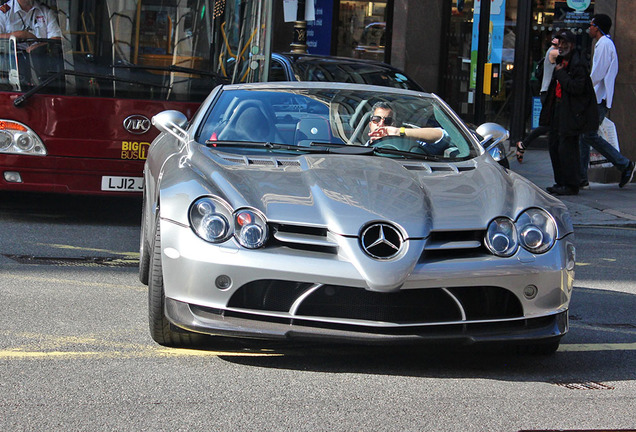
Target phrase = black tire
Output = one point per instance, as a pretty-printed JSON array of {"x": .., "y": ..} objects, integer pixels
[
  {"x": 161, "y": 330},
  {"x": 144, "y": 253}
]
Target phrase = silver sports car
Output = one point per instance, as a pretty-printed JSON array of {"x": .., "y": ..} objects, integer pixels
[{"x": 347, "y": 213}]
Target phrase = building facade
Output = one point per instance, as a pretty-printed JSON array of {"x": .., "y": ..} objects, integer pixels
[{"x": 483, "y": 68}]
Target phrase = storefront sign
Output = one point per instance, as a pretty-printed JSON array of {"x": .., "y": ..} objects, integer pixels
[
  {"x": 536, "y": 111},
  {"x": 579, "y": 5},
  {"x": 495, "y": 36},
  {"x": 566, "y": 17},
  {"x": 319, "y": 30}
]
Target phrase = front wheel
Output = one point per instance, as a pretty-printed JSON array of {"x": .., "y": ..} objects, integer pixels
[
  {"x": 144, "y": 252},
  {"x": 162, "y": 331}
]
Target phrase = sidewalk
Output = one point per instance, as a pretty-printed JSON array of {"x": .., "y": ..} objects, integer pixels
[{"x": 602, "y": 204}]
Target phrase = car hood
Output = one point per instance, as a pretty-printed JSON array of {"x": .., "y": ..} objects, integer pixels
[{"x": 344, "y": 193}]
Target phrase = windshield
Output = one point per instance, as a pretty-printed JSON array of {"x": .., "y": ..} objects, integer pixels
[
  {"x": 153, "y": 49},
  {"x": 312, "y": 69},
  {"x": 336, "y": 117}
]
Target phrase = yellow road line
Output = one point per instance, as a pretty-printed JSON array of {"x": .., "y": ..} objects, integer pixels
[
  {"x": 14, "y": 354},
  {"x": 18, "y": 354},
  {"x": 71, "y": 247},
  {"x": 598, "y": 347}
]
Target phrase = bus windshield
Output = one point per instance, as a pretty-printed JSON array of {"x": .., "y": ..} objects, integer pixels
[
  {"x": 154, "y": 49},
  {"x": 81, "y": 80}
]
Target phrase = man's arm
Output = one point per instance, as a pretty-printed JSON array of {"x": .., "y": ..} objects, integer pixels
[
  {"x": 574, "y": 82},
  {"x": 20, "y": 34},
  {"x": 430, "y": 134},
  {"x": 53, "y": 30},
  {"x": 603, "y": 57}
]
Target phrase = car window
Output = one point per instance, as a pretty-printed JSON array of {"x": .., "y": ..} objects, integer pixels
[
  {"x": 352, "y": 72},
  {"x": 277, "y": 71},
  {"x": 337, "y": 117}
]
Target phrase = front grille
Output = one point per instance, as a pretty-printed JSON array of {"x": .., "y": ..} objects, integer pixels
[
  {"x": 482, "y": 303},
  {"x": 434, "y": 305},
  {"x": 268, "y": 295},
  {"x": 404, "y": 307}
]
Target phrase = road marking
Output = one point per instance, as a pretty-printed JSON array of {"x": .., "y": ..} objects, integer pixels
[
  {"x": 18, "y": 354},
  {"x": 126, "y": 255},
  {"x": 612, "y": 227},
  {"x": 150, "y": 352},
  {"x": 43, "y": 346},
  {"x": 598, "y": 347}
]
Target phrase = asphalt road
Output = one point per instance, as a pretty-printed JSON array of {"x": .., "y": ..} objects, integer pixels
[{"x": 75, "y": 353}]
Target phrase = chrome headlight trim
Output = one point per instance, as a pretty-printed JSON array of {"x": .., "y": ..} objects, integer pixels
[
  {"x": 17, "y": 138},
  {"x": 250, "y": 228},
  {"x": 210, "y": 219},
  {"x": 501, "y": 237},
  {"x": 537, "y": 230}
]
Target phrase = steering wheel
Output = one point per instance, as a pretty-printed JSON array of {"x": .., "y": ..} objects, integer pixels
[{"x": 392, "y": 142}]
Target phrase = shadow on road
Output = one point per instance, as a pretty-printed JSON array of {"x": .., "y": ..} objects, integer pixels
[
  {"x": 600, "y": 346},
  {"x": 76, "y": 209}
]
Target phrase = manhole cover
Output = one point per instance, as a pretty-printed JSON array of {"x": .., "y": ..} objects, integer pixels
[{"x": 586, "y": 385}]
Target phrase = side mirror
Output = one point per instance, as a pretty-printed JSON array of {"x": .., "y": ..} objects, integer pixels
[
  {"x": 172, "y": 122},
  {"x": 493, "y": 139}
]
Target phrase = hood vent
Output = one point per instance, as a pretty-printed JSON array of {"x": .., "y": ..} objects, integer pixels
[
  {"x": 261, "y": 161},
  {"x": 442, "y": 168}
]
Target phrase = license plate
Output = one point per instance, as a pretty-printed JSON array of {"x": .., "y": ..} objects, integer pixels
[{"x": 122, "y": 184}]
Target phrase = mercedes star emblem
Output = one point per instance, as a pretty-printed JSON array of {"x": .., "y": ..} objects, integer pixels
[{"x": 381, "y": 241}]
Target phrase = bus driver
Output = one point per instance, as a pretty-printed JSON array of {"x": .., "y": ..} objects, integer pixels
[{"x": 28, "y": 19}]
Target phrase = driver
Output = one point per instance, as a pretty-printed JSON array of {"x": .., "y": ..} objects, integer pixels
[
  {"x": 382, "y": 121},
  {"x": 28, "y": 19}
]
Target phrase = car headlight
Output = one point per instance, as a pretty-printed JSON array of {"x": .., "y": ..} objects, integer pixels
[
  {"x": 210, "y": 219},
  {"x": 250, "y": 228},
  {"x": 501, "y": 237},
  {"x": 17, "y": 138},
  {"x": 213, "y": 220},
  {"x": 537, "y": 230}
]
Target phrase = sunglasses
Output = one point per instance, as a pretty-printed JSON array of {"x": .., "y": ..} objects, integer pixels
[{"x": 388, "y": 121}]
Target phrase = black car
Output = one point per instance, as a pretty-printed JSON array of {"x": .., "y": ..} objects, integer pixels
[{"x": 311, "y": 67}]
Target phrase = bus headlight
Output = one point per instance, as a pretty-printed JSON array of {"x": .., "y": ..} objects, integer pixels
[
  {"x": 5, "y": 140},
  {"x": 17, "y": 138}
]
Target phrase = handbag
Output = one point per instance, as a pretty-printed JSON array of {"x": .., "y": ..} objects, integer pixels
[{"x": 607, "y": 131}]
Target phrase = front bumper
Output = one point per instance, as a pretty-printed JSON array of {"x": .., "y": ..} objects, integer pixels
[
  {"x": 224, "y": 323},
  {"x": 279, "y": 293}
]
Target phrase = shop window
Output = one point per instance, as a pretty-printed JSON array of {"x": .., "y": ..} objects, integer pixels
[{"x": 362, "y": 30}]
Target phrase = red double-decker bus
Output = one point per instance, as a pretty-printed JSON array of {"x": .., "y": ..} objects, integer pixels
[{"x": 75, "y": 111}]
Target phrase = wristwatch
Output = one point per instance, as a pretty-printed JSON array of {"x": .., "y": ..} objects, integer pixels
[{"x": 402, "y": 131}]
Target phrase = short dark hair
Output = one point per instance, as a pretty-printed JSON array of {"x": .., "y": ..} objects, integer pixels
[
  {"x": 383, "y": 105},
  {"x": 603, "y": 22}
]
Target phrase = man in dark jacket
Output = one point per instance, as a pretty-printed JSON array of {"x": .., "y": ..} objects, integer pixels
[{"x": 573, "y": 112}]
